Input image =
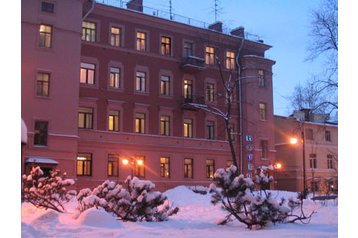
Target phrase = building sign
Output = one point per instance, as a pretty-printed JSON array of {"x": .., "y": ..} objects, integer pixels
[
  {"x": 249, "y": 138},
  {"x": 250, "y": 157}
]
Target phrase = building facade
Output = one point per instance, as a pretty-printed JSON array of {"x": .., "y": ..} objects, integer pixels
[
  {"x": 311, "y": 157},
  {"x": 121, "y": 88}
]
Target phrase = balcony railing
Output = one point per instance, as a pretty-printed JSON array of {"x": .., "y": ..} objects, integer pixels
[
  {"x": 197, "y": 99},
  {"x": 192, "y": 63}
]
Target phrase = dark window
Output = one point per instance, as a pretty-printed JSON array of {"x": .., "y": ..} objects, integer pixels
[
  {"x": 165, "y": 125},
  {"x": 42, "y": 84},
  {"x": 313, "y": 161},
  {"x": 85, "y": 118},
  {"x": 45, "y": 36},
  {"x": 47, "y": 7},
  {"x": 188, "y": 49},
  {"x": 40, "y": 137},
  {"x": 264, "y": 149},
  {"x": 165, "y": 167},
  {"x": 188, "y": 168},
  {"x": 166, "y": 44},
  {"x": 261, "y": 76},
  {"x": 87, "y": 73},
  {"x": 330, "y": 164},
  {"x": 112, "y": 165},
  {"x": 210, "y": 129},
  {"x": 210, "y": 168},
  {"x": 309, "y": 134},
  {"x": 84, "y": 164},
  {"x": 88, "y": 31},
  {"x": 327, "y": 135},
  {"x": 210, "y": 92}
]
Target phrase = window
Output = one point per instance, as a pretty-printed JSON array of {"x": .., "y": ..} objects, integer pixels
[
  {"x": 87, "y": 73},
  {"x": 327, "y": 136},
  {"x": 230, "y": 60},
  {"x": 40, "y": 137},
  {"x": 210, "y": 130},
  {"x": 139, "y": 168},
  {"x": 115, "y": 77},
  {"x": 209, "y": 55},
  {"x": 188, "y": 128},
  {"x": 42, "y": 84},
  {"x": 309, "y": 134},
  {"x": 165, "y": 125},
  {"x": 112, "y": 165},
  {"x": 188, "y": 168},
  {"x": 261, "y": 76},
  {"x": 210, "y": 168},
  {"x": 313, "y": 161},
  {"x": 85, "y": 118},
  {"x": 165, "y": 167},
  {"x": 264, "y": 149},
  {"x": 188, "y": 90},
  {"x": 84, "y": 164},
  {"x": 45, "y": 36},
  {"x": 141, "y": 41},
  {"x": 140, "y": 123},
  {"x": 47, "y": 7},
  {"x": 165, "y": 85},
  {"x": 115, "y": 36},
  {"x": 210, "y": 92},
  {"x": 166, "y": 44},
  {"x": 88, "y": 31},
  {"x": 330, "y": 164},
  {"x": 188, "y": 49},
  {"x": 262, "y": 111},
  {"x": 113, "y": 121},
  {"x": 140, "y": 83}
]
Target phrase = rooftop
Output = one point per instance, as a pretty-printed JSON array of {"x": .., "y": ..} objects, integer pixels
[{"x": 169, "y": 15}]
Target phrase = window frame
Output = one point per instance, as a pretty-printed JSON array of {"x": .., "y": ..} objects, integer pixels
[
  {"x": 188, "y": 51},
  {"x": 89, "y": 34},
  {"x": 165, "y": 85},
  {"x": 188, "y": 125},
  {"x": 328, "y": 136},
  {"x": 115, "y": 77},
  {"x": 262, "y": 111},
  {"x": 166, "y": 44},
  {"x": 115, "y": 39},
  {"x": 48, "y": 7},
  {"x": 40, "y": 133},
  {"x": 209, "y": 55},
  {"x": 210, "y": 130},
  {"x": 210, "y": 92},
  {"x": 313, "y": 161},
  {"x": 261, "y": 78},
  {"x": 188, "y": 89},
  {"x": 188, "y": 168},
  {"x": 42, "y": 85},
  {"x": 45, "y": 36},
  {"x": 88, "y": 73},
  {"x": 141, "y": 81},
  {"x": 164, "y": 166},
  {"x": 139, "y": 122},
  {"x": 139, "y": 170},
  {"x": 264, "y": 149},
  {"x": 113, "y": 120},
  {"x": 88, "y": 117},
  {"x": 230, "y": 60},
  {"x": 141, "y": 43},
  {"x": 210, "y": 168},
  {"x": 112, "y": 165},
  {"x": 164, "y": 125},
  {"x": 85, "y": 164}
]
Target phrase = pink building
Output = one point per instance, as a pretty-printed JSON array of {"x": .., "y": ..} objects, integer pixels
[{"x": 119, "y": 90}]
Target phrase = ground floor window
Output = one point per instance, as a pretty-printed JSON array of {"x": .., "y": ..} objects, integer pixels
[
  {"x": 84, "y": 164},
  {"x": 188, "y": 168}
]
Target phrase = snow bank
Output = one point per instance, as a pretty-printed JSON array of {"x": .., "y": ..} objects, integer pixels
[{"x": 98, "y": 218}]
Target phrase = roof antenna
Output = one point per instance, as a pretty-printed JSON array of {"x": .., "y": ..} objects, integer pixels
[
  {"x": 217, "y": 9},
  {"x": 170, "y": 10}
]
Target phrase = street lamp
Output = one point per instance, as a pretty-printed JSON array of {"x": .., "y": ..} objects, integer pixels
[
  {"x": 132, "y": 162},
  {"x": 293, "y": 141}
]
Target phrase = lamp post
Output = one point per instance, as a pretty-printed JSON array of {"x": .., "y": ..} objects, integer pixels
[
  {"x": 294, "y": 141},
  {"x": 132, "y": 162}
]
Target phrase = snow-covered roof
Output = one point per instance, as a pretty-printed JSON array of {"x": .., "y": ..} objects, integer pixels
[
  {"x": 39, "y": 160},
  {"x": 23, "y": 132}
]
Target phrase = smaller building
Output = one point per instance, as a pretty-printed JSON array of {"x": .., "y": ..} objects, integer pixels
[{"x": 307, "y": 148}]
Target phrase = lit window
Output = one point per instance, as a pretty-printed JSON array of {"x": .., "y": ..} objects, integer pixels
[
  {"x": 84, "y": 164},
  {"x": 165, "y": 125},
  {"x": 115, "y": 77},
  {"x": 115, "y": 36},
  {"x": 188, "y": 90},
  {"x": 141, "y": 41},
  {"x": 42, "y": 84},
  {"x": 85, "y": 118},
  {"x": 209, "y": 55},
  {"x": 140, "y": 84},
  {"x": 165, "y": 167},
  {"x": 210, "y": 130},
  {"x": 45, "y": 36},
  {"x": 261, "y": 76},
  {"x": 140, "y": 123},
  {"x": 210, "y": 168},
  {"x": 230, "y": 60},
  {"x": 165, "y": 85},
  {"x": 188, "y": 49},
  {"x": 40, "y": 137},
  {"x": 87, "y": 73},
  {"x": 112, "y": 165},
  {"x": 139, "y": 168},
  {"x": 113, "y": 121},
  {"x": 262, "y": 111},
  {"x": 188, "y": 168},
  {"x": 88, "y": 31},
  {"x": 166, "y": 44},
  {"x": 188, "y": 128},
  {"x": 210, "y": 92}
]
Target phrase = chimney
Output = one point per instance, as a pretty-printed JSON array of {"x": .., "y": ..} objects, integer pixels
[
  {"x": 240, "y": 31},
  {"x": 217, "y": 26},
  {"x": 136, "y": 5}
]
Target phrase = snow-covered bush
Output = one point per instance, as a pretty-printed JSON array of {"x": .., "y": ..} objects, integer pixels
[
  {"x": 238, "y": 196},
  {"x": 47, "y": 192},
  {"x": 133, "y": 201}
]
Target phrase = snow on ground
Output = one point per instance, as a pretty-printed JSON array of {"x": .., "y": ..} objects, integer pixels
[{"x": 196, "y": 218}]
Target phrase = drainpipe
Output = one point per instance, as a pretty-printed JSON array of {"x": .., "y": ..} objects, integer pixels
[{"x": 90, "y": 10}]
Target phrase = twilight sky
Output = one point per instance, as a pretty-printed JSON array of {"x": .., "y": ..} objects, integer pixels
[{"x": 283, "y": 24}]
